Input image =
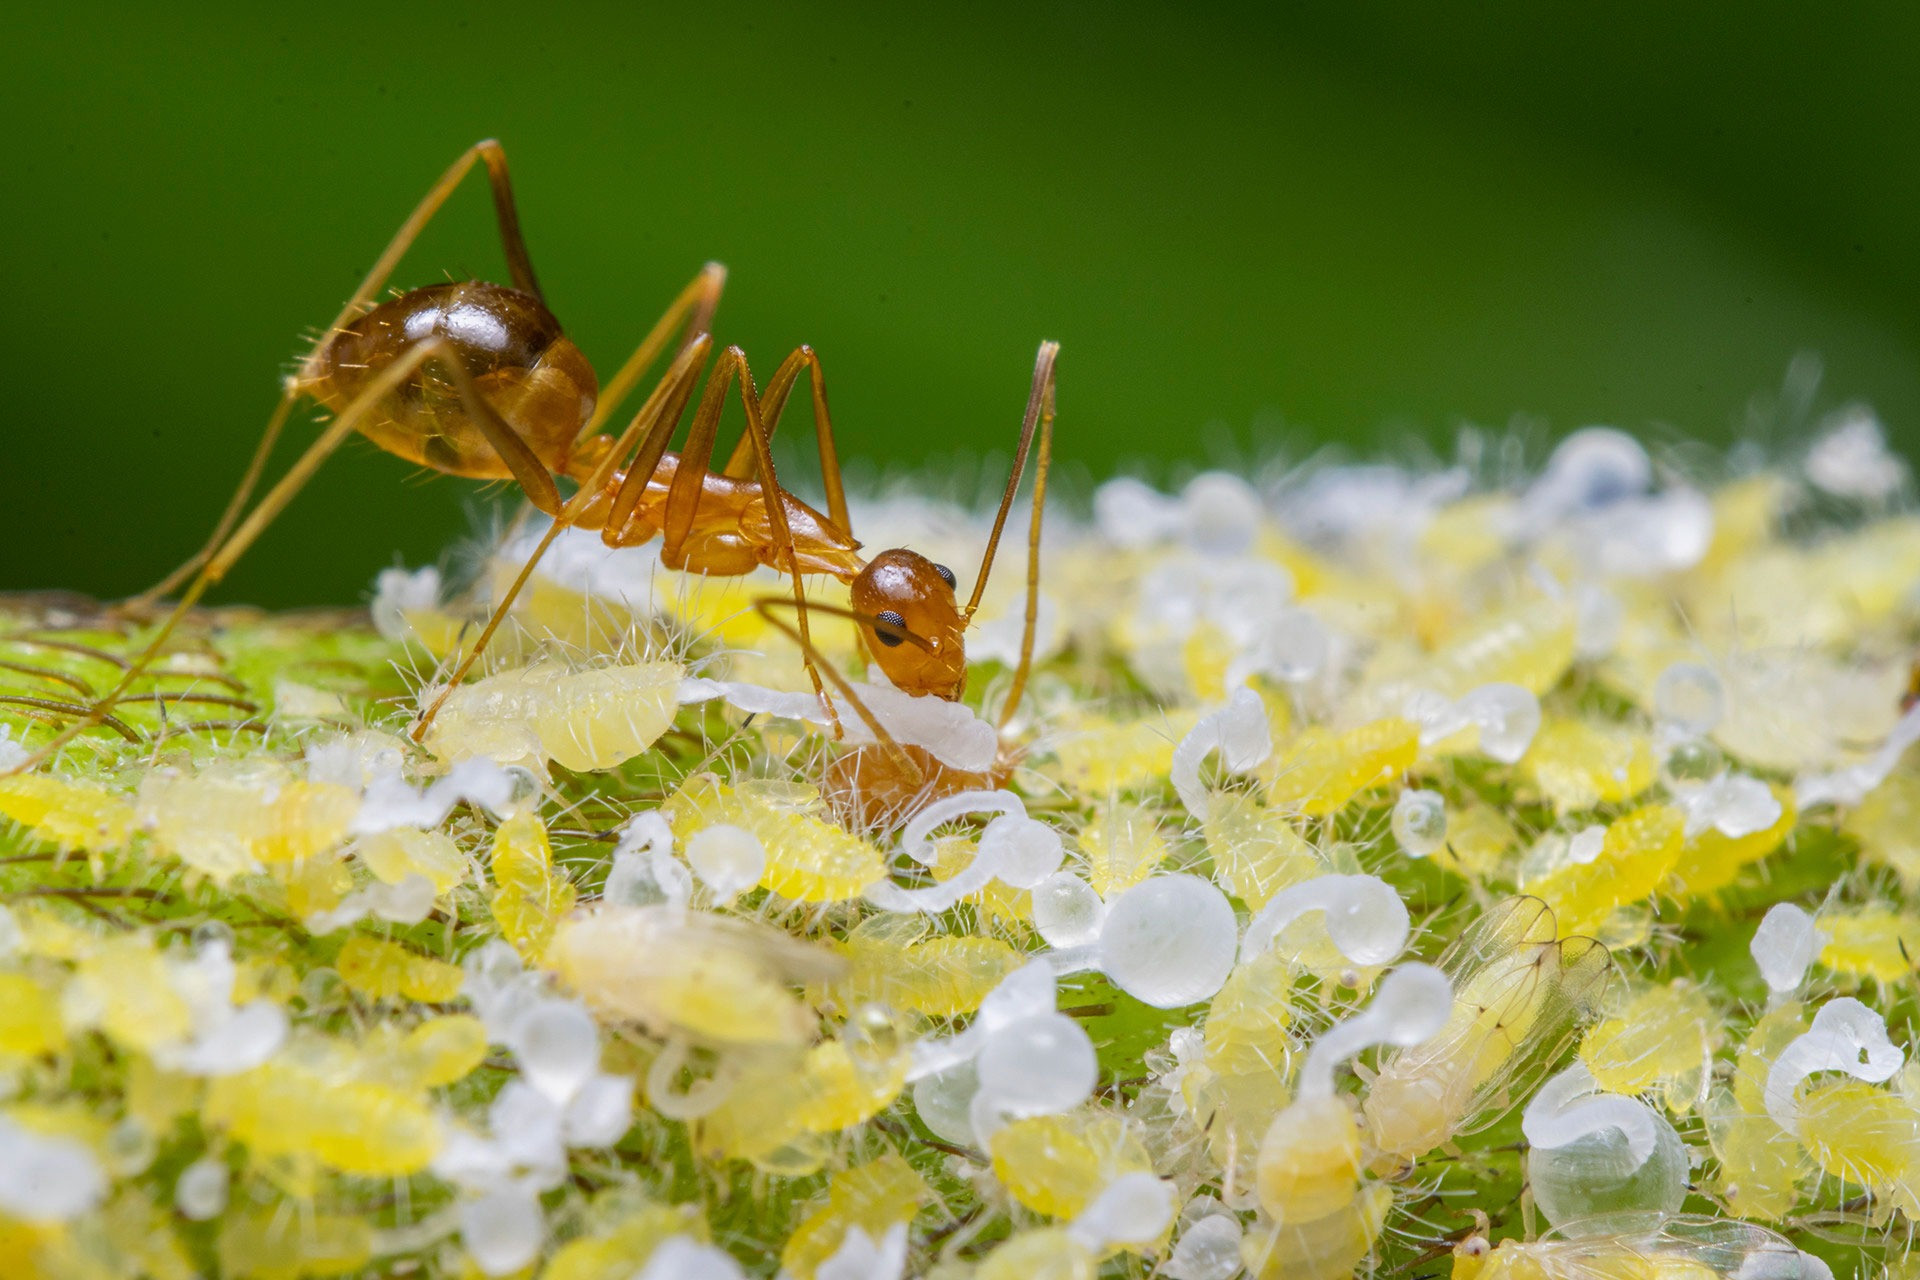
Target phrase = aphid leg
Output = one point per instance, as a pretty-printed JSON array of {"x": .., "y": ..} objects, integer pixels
[
  {"x": 817, "y": 661},
  {"x": 652, "y": 427},
  {"x": 1043, "y": 392},
  {"x": 381, "y": 386},
  {"x": 773, "y": 401},
  {"x": 518, "y": 263}
]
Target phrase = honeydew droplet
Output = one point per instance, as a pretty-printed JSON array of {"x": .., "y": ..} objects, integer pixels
[
  {"x": 1208, "y": 1250},
  {"x": 1690, "y": 697},
  {"x": 728, "y": 859},
  {"x": 1066, "y": 910},
  {"x": 503, "y": 1230},
  {"x": 942, "y": 1102},
  {"x": 1786, "y": 942},
  {"x": 1021, "y": 850},
  {"x": 558, "y": 1047},
  {"x": 1038, "y": 1065},
  {"x": 200, "y": 1192},
  {"x": 1508, "y": 717},
  {"x": 1691, "y": 760},
  {"x": 1420, "y": 822},
  {"x": 1170, "y": 941},
  {"x": 1297, "y": 646}
]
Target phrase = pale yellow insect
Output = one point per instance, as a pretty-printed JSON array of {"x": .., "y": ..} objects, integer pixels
[{"x": 1639, "y": 1247}]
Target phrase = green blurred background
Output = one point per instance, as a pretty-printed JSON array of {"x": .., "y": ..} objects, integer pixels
[{"x": 1253, "y": 228}]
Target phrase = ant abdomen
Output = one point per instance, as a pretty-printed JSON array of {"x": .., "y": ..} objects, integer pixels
[{"x": 511, "y": 345}]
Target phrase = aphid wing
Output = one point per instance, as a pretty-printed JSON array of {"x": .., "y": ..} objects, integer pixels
[
  {"x": 1624, "y": 1244},
  {"x": 1499, "y": 931}
]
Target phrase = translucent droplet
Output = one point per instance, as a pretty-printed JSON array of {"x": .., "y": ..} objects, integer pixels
[
  {"x": 1022, "y": 851},
  {"x": 503, "y": 1230},
  {"x": 1690, "y": 697},
  {"x": 129, "y": 1148},
  {"x": 1597, "y": 1173},
  {"x": 558, "y": 1047},
  {"x": 1222, "y": 513},
  {"x": 1691, "y": 760},
  {"x": 1038, "y": 1066},
  {"x": 1170, "y": 941},
  {"x": 1786, "y": 942},
  {"x": 1297, "y": 646},
  {"x": 1133, "y": 1209},
  {"x": 942, "y": 1100},
  {"x": 1208, "y": 1250},
  {"x": 200, "y": 1192},
  {"x": 600, "y": 1113},
  {"x": 873, "y": 1035},
  {"x": 1066, "y": 910},
  {"x": 1508, "y": 717},
  {"x": 1420, "y": 822},
  {"x": 728, "y": 859}
]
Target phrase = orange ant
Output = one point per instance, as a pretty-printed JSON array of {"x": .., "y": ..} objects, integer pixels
[{"x": 515, "y": 399}]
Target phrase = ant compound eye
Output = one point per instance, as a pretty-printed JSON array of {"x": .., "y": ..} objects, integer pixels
[
  {"x": 891, "y": 639},
  {"x": 946, "y": 574}
]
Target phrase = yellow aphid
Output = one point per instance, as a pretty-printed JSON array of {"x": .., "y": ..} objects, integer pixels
[
  {"x": 1056, "y": 1165},
  {"x": 1576, "y": 764},
  {"x": 1467, "y": 533},
  {"x": 1099, "y": 756},
  {"x": 1248, "y": 1026},
  {"x": 315, "y": 884},
  {"x": 1256, "y": 851},
  {"x": 580, "y": 720},
  {"x": 620, "y": 1250},
  {"x": 44, "y": 933},
  {"x": 30, "y": 1022},
  {"x": 1744, "y": 512},
  {"x": 1710, "y": 861},
  {"x": 1887, "y": 825},
  {"x": 1205, "y": 655},
  {"x": 232, "y": 818},
  {"x": 716, "y": 979},
  {"x": 1528, "y": 644},
  {"x": 289, "y": 1245},
  {"x": 1327, "y": 1248},
  {"x": 873, "y": 1197},
  {"x": 394, "y": 855},
  {"x": 529, "y": 899},
  {"x": 123, "y": 987},
  {"x": 839, "y": 1091},
  {"x": 327, "y": 1106},
  {"x": 1639, "y": 850},
  {"x": 891, "y": 962},
  {"x": 442, "y": 1050},
  {"x": 1478, "y": 837},
  {"x": 1123, "y": 845},
  {"x": 1519, "y": 996},
  {"x": 1661, "y": 1040},
  {"x": 1646, "y": 1247},
  {"x": 382, "y": 969},
  {"x": 1309, "y": 1163},
  {"x": 808, "y": 858},
  {"x": 1866, "y": 1137},
  {"x": 67, "y": 815},
  {"x": 1871, "y": 942},
  {"x": 1321, "y": 770},
  {"x": 758, "y": 1119},
  {"x": 1044, "y": 1253},
  {"x": 1761, "y": 1165}
]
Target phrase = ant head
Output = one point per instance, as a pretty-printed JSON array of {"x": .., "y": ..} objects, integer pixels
[{"x": 921, "y": 649}]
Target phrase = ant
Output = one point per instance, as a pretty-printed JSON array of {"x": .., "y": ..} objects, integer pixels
[{"x": 478, "y": 380}]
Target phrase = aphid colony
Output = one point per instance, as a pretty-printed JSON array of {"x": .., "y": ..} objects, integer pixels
[{"x": 1385, "y": 873}]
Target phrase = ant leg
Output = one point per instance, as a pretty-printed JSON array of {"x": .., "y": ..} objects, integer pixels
[
  {"x": 765, "y": 606},
  {"x": 1039, "y": 399},
  {"x": 691, "y": 312},
  {"x": 657, "y": 423},
  {"x": 384, "y": 384},
  {"x": 740, "y": 465},
  {"x": 1043, "y": 385}
]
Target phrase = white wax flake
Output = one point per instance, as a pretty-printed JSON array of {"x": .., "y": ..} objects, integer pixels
[
  {"x": 1365, "y": 918},
  {"x": 399, "y": 591},
  {"x": 1598, "y": 617},
  {"x": 950, "y": 731},
  {"x": 942, "y": 1101},
  {"x": 1382, "y": 509},
  {"x": 1243, "y": 598},
  {"x": 1506, "y": 716},
  {"x": 503, "y": 1230},
  {"x": 200, "y": 1192},
  {"x": 600, "y": 1113},
  {"x": 224, "y": 1040},
  {"x": 1846, "y": 1036},
  {"x": 1066, "y": 911},
  {"x": 1592, "y": 469},
  {"x": 1240, "y": 732},
  {"x": 1207, "y": 1250},
  {"x": 1026, "y": 993},
  {"x": 684, "y": 1258},
  {"x": 355, "y": 760},
  {"x": 1851, "y": 458},
  {"x": 1851, "y": 785},
  {"x": 1787, "y": 942},
  {"x": 390, "y": 803},
  {"x": 10, "y": 937},
  {"x": 728, "y": 859},
  {"x": 1013, "y": 848},
  {"x": 1132, "y": 1209},
  {"x": 1733, "y": 804},
  {"x": 861, "y": 1257},
  {"x": 643, "y": 870},
  {"x": 1412, "y": 1005},
  {"x": 1645, "y": 537},
  {"x": 1169, "y": 941},
  {"x": 1039, "y": 1065},
  {"x": 558, "y": 1047},
  {"x": 1690, "y": 697},
  {"x": 499, "y": 989},
  {"x": 1420, "y": 822},
  {"x": 12, "y": 754},
  {"x": 1571, "y": 1105},
  {"x": 1220, "y": 514},
  {"x": 47, "y": 1179},
  {"x": 1131, "y": 513},
  {"x": 1586, "y": 844},
  {"x": 408, "y": 902}
]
